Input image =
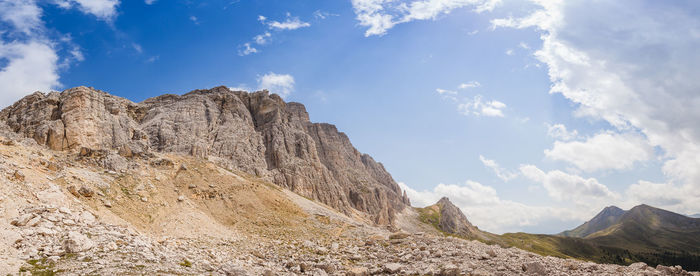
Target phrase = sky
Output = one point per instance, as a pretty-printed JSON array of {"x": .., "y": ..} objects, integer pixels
[{"x": 530, "y": 115}]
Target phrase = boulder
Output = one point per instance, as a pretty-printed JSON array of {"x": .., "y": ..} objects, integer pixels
[{"x": 76, "y": 242}]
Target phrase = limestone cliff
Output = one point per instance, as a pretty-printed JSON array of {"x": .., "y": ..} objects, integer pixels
[{"x": 257, "y": 133}]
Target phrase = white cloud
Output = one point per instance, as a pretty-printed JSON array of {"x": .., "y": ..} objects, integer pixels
[
  {"x": 445, "y": 91},
  {"x": 246, "y": 50},
  {"x": 318, "y": 14},
  {"x": 194, "y": 19},
  {"x": 562, "y": 186},
  {"x": 262, "y": 38},
  {"x": 137, "y": 47},
  {"x": 500, "y": 172},
  {"x": 32, "y": 66},
  {"x": 680, "y": 199},
  {"x": 149, "y": 2},
  {"x": 471, "y": 84},
  {"x": 559, "y": 131},
  {"x": 510, "y": 52},
  {"x": 32, "y": 62},
  {"x": 381, "y": 15},
  {"x": 281, "y": 84},
  {"x": 478, "y": 107},
  {"x": 152, "y": 59},
  {"x": 485, "y": 209},
  {"x": 628, "y": 64},
  {"x": 606, "y": 150},
  {"x": 241, "y": 87},
  {"x": 292, "y": 23},
  {"x": 103, "y": 9},
  {"x": 24, "y": 15}
]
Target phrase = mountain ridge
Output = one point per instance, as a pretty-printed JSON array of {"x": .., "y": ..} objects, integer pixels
[
  {"x": 607, "y": 217},
  {"x": 257, "y": 133},
  {"x": 641, "y": 234}
]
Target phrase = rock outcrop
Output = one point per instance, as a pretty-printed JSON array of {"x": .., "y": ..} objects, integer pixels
[
  {"x": 257, "y": 133},
  {"x": 448, "y": 218}
]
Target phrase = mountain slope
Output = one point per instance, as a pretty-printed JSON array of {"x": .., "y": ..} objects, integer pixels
[
  {"x": 643, "y": 233},
  {"x": 256, "y": 133},
  {"x": 448, "y": 218},
  {"x": 609, "y": 216},
  {"x": 645, "y": 228}
]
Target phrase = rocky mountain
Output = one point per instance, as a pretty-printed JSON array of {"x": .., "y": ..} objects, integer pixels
[
  {"x": 256, "y": 133},
  {"x": 606, "y": 218},
  {"x": 448, "y": 218},
  {"x": 170, "y": 186}
]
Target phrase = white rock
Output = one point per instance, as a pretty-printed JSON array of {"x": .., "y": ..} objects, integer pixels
[
  {"x": 22, "y": 220},
  {"x": 392, "y": 267},
  {"x": 77, "y": 242}
]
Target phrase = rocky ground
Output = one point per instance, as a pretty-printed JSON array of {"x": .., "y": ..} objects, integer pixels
[{"x": 76, "y": 213}]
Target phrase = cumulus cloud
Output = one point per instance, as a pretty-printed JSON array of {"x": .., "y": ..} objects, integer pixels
[
  {"x": 31, "y": 58},
  {"x": 261, "y": 39},
  {"x": 23, "y": 15},
  {"x": 32, "y": 66},
  {"x": 559, "y": 131},
  {"x": 477, "y": 106},
  {"x": 103, "y": 9},
  {"x": 246, "y": 49},
  {"x": 500, "y": 172},
  {"x": 680, "y": 198},
  {"x": 485, "y": 209},
  {"x": 562, "y": 186},
  {"x": 628, "y": 64},
  {"x": 606, "y": 150},
  {"x": 381, "y": 15},
  {"x": 281, "y": 84}
]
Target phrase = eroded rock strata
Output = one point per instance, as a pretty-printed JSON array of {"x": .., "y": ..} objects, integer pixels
[{"x": 257, "y": 133}]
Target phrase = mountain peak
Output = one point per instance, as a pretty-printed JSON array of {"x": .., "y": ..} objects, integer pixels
[
  {"x": 256, "y": 133},
  {"x": 444, "y": 200},
  {"x": 449, "y": 218},
  {"x": 604, "y": 219}
]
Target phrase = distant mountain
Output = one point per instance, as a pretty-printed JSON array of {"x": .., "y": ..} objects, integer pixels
[
  {"x": 647, "y": 228},
  {"x": 642, "y": 234},
  {"x": 606, "y": 218},
  {"x": 695, "y": 215}
]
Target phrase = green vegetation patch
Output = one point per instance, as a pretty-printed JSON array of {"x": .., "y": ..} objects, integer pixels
[{"x": 39, "y": 267}]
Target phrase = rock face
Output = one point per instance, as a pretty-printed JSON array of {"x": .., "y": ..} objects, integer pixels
[
  {"x": 453, "y": 221},
  {"x": 448, "y": 218},
  {"x": 257, "y": 133}
]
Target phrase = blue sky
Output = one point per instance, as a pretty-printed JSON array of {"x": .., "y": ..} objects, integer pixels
[{"x": 530, "y": 115}]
